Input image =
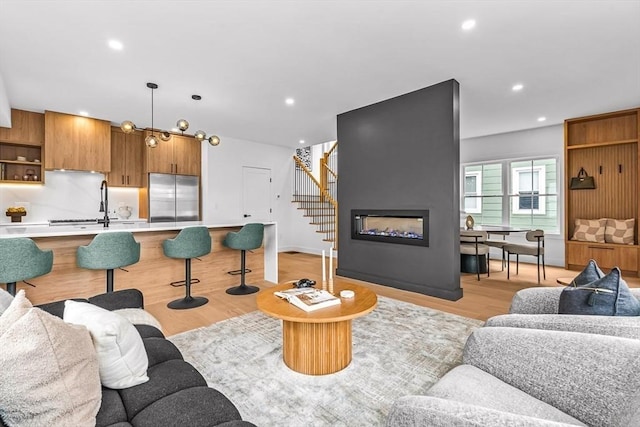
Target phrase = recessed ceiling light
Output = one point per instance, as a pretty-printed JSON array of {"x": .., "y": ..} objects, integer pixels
[
  {"x": 289, "y": 101},
  {"x": 468, "y": 24},
  {"x": 175, "y": 130},
  {"x": 301, "y": 141},
  {"x": 115, "y": 45},
  {"x": 517, "y": 87},
  {"x": 542, "y": 119},
  {"x": 83, "y": 113}
]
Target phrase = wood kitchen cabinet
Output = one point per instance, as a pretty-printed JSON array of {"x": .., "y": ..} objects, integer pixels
[
  {"x": 76, "y": 143},
  {"x": 180, "y": 155},
  {"x": 126, "y": 159},
  {"x": 21, "y": 148}
]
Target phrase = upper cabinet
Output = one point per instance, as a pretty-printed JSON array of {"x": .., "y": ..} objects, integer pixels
[
  {"x": 76, "y": 143},
  {"x": 126, "y": 159},
  {"x": 21, "y": 148},
  {"x": 181, "y": 155}
]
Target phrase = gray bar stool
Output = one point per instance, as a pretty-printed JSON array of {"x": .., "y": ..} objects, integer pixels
[
  {"x": 108, "y": 251},
  {"x": 191, "y": 242},
  {"x": 249, "y": 237},
  {"x": 21, "y": 259}
]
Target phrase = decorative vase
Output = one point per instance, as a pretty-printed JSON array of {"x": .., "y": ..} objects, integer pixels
[
  {"x": 469, "y": 222},
  {"x": 124, "y": 212}
]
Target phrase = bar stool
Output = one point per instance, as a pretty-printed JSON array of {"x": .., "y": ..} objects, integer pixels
[
  {"x": 249, "y": 237},
  {"x": 108, "y": 251},
  {"x": 191, "y": 242},
  {"x": 22, "y": 260}
]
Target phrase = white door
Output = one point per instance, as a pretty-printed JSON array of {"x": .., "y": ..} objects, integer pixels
[{"x": 256, "y": 194}]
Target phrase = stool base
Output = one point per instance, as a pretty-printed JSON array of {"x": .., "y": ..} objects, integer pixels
[
  {"x": 243, "y": 290},
  {"x": 179, "y": 283},
  {"x": 187, "y": 302}
]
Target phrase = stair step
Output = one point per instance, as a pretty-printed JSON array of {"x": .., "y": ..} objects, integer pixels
[
  {"x": 321, "y": 223},
  {"x": 328, "y": 240},
  {"x": 309, "y": 201},
  {"x": 325, "y": 231}
]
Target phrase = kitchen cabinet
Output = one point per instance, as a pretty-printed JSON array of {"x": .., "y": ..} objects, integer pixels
[
  {"x": 181, "y": 155},
  {"x": 606, "y": 146},
  {"x": 76, "y": 143},
  {"x": 21, "y": 148},
  {"x": 126, "y": 159}
]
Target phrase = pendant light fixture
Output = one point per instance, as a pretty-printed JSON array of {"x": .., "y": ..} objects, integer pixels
[
  {"x": 152, "y": 140},
  {"x": 200, "y": 135}
]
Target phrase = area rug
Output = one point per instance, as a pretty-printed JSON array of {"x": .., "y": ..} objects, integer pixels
[{"x": 398, "y": 349}]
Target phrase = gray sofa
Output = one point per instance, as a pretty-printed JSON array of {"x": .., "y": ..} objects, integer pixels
[
  {"x": 537, "y": 308},
  {"x": 530, "y": 377},
  {"x": 176, "y": 393}
]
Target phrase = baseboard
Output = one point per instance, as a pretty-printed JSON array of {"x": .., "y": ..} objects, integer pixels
[{"x": 421, "y": 288}]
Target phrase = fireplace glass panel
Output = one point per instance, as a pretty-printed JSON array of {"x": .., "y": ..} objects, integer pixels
[{"x": 405, "y": 227}]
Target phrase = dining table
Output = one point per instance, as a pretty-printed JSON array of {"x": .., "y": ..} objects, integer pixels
[{"x": 469, "y": 263}]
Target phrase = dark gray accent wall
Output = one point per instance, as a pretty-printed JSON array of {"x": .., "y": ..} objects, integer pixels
[{"x": 403, "y": 153}]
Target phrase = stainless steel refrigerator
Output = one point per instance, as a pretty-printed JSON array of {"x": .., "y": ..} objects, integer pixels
[{"x": 173, "y": 198}]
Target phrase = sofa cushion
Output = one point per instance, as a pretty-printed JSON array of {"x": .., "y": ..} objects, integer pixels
[
  {"x": 607, "y": 296},
  {"x": 139, "y": 316},
  {"x": 619, "y": 231},
  {"x": 112, "y": 410},
  {"x": 468, "y": 384},
  {"x": 121, "y": 354},
  {"x": 178, "y": 410},
  {"x": 49, "y": 373}
]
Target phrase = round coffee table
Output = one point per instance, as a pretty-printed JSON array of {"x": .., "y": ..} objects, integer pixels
[{"x": 318, "y": 342}]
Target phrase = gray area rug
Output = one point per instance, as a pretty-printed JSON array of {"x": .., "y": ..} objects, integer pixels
[{"x": 398, "y": 349}]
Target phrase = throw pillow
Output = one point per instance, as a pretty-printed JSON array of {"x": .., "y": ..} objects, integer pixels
[
  {"x": 49, "y": 374},
  {"x": 589, "y": 230},
  {"x": 121, "y": 355},
  {"x": 619, "y": 231},
  {"x": 139, "y": 316},
  {"x": 607, "y": 296},
  {"x": 590, "y": 274},
  {"x": 5, "y": 300}
]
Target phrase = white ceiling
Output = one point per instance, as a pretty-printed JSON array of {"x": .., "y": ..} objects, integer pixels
[{"x": 245, "y": 57}]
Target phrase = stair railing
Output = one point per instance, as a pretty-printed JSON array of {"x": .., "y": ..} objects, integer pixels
[{"x": 316, "y": 200}]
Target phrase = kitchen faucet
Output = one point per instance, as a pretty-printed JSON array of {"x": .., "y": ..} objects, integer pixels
[{"x": 104, "y": 203}]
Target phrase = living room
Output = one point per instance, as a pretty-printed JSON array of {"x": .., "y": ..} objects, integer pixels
[{"x": 498, "y": 122}]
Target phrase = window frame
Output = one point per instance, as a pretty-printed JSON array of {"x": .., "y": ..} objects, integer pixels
[
  {"x": 515, "y": 185},
  {"x": 476, "y": 195}
]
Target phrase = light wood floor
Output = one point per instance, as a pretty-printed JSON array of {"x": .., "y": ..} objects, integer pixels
[{"x": 482, "y": 299}]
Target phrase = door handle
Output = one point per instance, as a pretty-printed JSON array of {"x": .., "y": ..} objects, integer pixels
[{"x": 246, "y": 215}]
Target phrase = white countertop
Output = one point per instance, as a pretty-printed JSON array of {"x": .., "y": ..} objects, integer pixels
[{"x": 43, "y": 230}]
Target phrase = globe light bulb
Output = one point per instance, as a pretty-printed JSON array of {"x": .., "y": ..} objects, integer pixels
[
  {"x": 200, "y": 135},
  {"x": 151, "y": 141},
  {"x": 127, "y": 126},
  {"x": 165, "y": 136},
  {"x": 214, "y": 140},
  {"x": 182, "y": 124}
]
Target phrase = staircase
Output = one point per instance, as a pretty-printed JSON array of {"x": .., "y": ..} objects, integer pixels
[{"x": 317, "y": 197}]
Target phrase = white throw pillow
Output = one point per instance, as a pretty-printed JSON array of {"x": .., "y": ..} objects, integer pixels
[
  {"x": 121, "y": 354},
  {"x": 48, "y": 369},
  {"x": 139, "y": 316}
]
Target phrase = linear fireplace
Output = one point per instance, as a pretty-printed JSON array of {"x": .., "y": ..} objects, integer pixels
[{"x": 406, "y": 227}]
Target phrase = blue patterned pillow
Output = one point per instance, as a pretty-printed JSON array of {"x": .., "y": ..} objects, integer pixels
[{"x": 607, "y": 296}]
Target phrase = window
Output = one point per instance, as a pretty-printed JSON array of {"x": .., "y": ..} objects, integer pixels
[
  {"x": 472, "y": 187},
  {"x": 518, "y": 193}
]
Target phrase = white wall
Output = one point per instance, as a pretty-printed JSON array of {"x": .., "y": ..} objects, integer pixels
[
  {"x": 540, "y": 142},
  {"x": 222, "y": 189}
]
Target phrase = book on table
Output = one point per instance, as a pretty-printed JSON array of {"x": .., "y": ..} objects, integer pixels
[{"x": 308, "y": 299}]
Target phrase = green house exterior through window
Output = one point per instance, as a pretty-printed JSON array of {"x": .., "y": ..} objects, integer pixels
[{"x": 522, "y": 193}]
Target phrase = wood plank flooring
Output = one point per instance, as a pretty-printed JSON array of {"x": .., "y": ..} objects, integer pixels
[{"x": 482, "y": 299}]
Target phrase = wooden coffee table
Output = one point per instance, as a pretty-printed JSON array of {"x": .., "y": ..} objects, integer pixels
[{"x": 319, "y": 342}]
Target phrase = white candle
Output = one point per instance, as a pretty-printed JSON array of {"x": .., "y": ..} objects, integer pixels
[
  {"x": 324, "y": 277},
  {"x": 331, "y": 263}
]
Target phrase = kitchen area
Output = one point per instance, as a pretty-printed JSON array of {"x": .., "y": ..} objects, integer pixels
[{"x": 93, "y": 178}]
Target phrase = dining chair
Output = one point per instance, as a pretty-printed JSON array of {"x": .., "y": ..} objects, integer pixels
[
  {"x": 536, "y": 250},
  {"x": 498, "y": 243},
  {"x": 473, "y": 243}
]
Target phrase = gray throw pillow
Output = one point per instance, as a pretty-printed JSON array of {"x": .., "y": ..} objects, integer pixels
[
  {"x": 590, "y": 274},
  {"x": 607, "y": 296}
]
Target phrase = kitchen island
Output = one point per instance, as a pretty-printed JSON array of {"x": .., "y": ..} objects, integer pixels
[{"x": 153, "y": 273}]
